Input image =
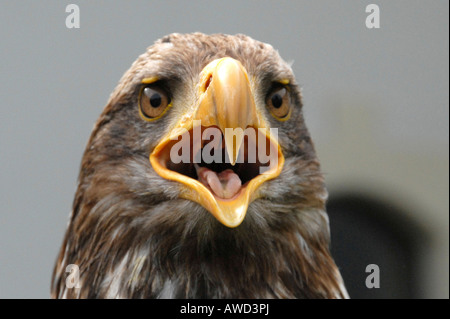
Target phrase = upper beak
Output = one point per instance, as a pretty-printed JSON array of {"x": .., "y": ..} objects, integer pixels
[{"x": 226, "y": 103}]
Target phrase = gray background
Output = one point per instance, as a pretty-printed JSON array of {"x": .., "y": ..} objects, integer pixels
[{"x": 376, "y": 103}]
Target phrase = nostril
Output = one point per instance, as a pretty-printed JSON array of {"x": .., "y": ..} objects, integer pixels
[{"x": 207, "y": 83}]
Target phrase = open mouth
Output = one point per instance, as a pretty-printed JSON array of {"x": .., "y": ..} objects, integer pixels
[
  {"x": 205, "y": 167},
  {"x": 209, "y": 163},
  {"x": 221, "y": 151}
]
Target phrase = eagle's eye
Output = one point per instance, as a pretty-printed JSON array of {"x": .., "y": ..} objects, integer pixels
[
  {"x": 278, "y": 103},
  {"x": 153, "y": 102}
]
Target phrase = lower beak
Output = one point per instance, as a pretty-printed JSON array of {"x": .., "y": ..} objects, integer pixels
[{"x": 225, "y": 122}]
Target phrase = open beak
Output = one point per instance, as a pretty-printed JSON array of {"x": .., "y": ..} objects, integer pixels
[{"x": 226, "y": 127}]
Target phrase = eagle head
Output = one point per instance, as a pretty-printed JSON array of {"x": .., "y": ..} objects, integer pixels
[{"x": 200, "y": 180}]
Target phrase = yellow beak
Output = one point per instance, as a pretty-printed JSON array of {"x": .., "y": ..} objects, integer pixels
[{"x": 226, "y": 103}]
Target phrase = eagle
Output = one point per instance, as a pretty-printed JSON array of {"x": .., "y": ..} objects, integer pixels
[{"x": 200, "y": 180}]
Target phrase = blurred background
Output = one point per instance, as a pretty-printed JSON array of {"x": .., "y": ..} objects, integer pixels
[{"x": 375, "y": 100}]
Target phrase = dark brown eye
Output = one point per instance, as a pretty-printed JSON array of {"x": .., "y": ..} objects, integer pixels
[
  {"x": 153, "y": 101},
  {"x": 278, "y": 103}
]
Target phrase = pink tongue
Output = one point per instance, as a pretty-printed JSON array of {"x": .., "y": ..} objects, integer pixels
[{"x": 226, "y": 184}]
